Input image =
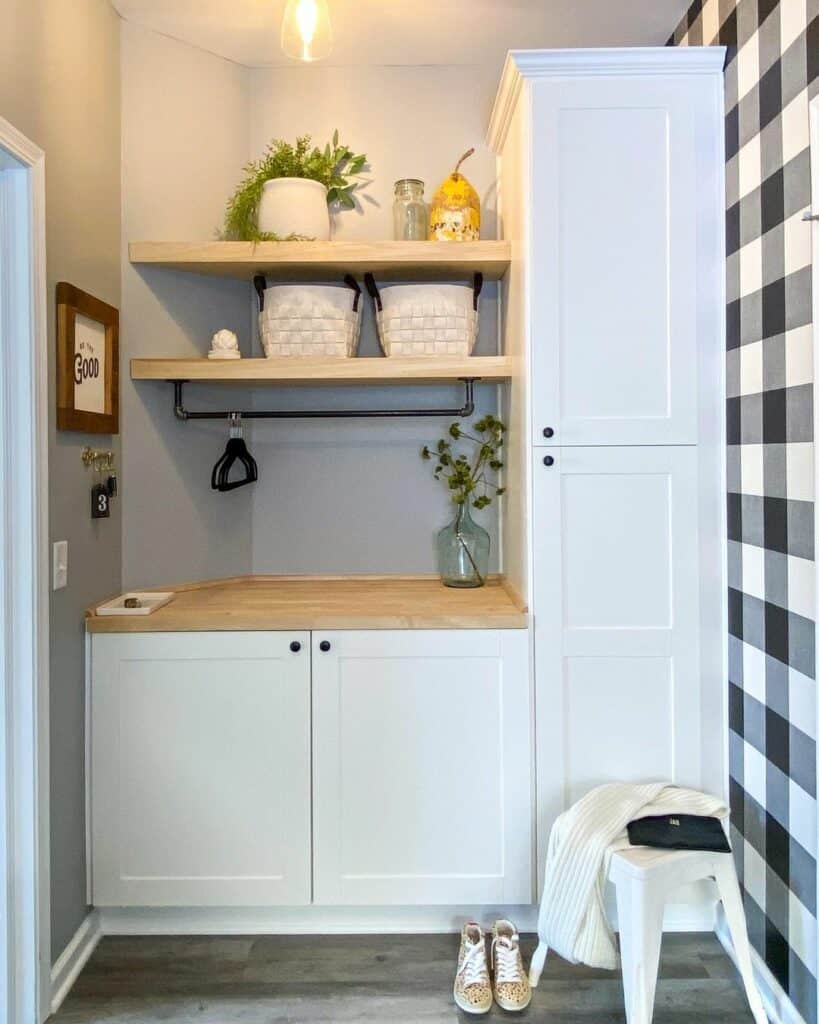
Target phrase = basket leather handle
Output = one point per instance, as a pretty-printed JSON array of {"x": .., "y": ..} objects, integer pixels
[
  {"x": 351, "y": 282},
  {"x": 259, "y": 283},
  {"x": 477, "y": 286},
  {"x": 372, "y": 288}
]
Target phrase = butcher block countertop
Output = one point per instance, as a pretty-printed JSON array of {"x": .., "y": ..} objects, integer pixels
[{"x": 333, "y": 602}]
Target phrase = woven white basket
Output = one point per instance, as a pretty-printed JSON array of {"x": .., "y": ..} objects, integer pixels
[
  {"x": 310, "y": 320},
  {"x": 426, "y": 319}
]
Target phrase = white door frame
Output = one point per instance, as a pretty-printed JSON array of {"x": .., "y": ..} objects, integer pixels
[
  {"x": 25, "y": 942},
  {"x": 814, "y": 160}
]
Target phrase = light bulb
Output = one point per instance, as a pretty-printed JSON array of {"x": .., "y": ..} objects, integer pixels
[{"x": 306, "y": 31}]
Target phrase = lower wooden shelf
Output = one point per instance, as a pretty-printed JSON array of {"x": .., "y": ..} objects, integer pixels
[{"x": 363, "y": 370}]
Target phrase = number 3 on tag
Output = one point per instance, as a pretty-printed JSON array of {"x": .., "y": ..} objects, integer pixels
[{"x": 100, "y": 502}]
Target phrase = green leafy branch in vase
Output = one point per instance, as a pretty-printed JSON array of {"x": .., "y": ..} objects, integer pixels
[
  {"x": 466, "y": 477},
  {"x": 336, "y": 166}
]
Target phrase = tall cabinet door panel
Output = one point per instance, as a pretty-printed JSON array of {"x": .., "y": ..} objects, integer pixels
[
  {"x": 422, "y": 767},
  {"x": 616, "y": 624},
  {"x": 200, "y": 748},
  {"x": 614, "y": 198}
]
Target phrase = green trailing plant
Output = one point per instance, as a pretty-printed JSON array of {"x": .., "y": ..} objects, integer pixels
[
  {"x": 465, "y": 476},
  {"x": 335, "y": 167}
]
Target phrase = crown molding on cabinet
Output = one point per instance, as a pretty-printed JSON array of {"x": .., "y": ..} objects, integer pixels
[{"x": 523, "y": 65}]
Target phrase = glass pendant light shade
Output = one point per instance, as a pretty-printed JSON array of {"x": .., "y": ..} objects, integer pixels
[{"x": 306, "y": 30}]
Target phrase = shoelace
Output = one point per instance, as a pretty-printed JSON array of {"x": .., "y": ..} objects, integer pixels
[
  {"x": 473, "y": 967},
  {"x": 505, "y": 960}
]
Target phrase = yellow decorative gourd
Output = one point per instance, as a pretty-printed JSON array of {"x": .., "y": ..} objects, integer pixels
[{"x": 455, "y": 215}]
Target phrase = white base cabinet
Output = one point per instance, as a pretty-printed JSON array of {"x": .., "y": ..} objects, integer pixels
[
  {"x": 206, "y": 770},
  {"x": 200, "y": 769},
  {"x": 422, "y": 768}
]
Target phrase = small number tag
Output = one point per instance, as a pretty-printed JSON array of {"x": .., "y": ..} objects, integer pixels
[
  {"x": 111, "y": 486},
  {"x": 100, "y": 502}
]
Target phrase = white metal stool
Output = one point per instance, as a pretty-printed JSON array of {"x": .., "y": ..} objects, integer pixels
[{"x": 644, "y": 878}]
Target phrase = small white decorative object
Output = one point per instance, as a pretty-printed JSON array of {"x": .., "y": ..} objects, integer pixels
[
  {"x": 294, "y": 206},
  {"x": 310, "y": 320},
  {"x": 224, "y": 345},
  {"x": 426, "y": 319}
]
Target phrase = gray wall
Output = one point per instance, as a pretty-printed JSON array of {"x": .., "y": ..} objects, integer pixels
[
  {"x": 347, "y": 496},
  {"x": 333, "y": 496},
  {"x": 60, "y": 86},
  {"x": 184, "y": 141}
]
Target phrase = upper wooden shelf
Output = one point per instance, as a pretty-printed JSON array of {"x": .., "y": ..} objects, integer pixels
[
  {"x": 361, "y": 370},
  {"x": 323, "y": 260}
]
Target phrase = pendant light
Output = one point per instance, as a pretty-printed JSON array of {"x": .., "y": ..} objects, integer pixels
[{"x": 306, "y": 31}]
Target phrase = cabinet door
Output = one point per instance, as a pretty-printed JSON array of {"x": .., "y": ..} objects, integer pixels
[
  {"x": 616, "y": 621},
  {"x": 613, "y": 272},
  {"x": 421, "y": 767},
  {"x": 200, "y": 769}
]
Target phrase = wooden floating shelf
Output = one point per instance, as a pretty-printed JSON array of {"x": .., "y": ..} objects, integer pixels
[
  {"x": 323, "y": 260},
  {"x": 377, "y": 370}
]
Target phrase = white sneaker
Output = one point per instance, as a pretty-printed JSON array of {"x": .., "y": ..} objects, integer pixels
[
  {"x": 473, "y": 991},
  {"x": 511, "y": 985}
]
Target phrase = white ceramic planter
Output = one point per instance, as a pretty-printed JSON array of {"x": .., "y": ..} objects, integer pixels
[{"x": 295, "y": 206}]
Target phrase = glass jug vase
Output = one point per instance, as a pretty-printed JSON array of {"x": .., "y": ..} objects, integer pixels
[{"x": 463, "y": 551}]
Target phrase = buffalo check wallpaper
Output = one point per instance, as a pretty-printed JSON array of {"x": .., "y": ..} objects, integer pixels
[{"x": 772, "y": 72}]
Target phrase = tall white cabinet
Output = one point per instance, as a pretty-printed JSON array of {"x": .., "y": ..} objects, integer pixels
[{"x": 611, "y": 170}]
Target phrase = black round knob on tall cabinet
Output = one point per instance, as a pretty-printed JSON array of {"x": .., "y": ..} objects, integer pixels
[
  {"x": 324, "y": 646},
  {"x": 548, "y": 432},
  {"x": 295, "y": 647},
  {"x": 548, "y": 461}
]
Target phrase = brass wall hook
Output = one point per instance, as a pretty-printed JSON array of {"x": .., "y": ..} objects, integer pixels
[{"x": 97, "y": 458}]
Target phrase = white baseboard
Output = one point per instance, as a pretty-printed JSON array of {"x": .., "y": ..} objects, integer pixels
[
  {"x": 778, "y": 1007},
  {"x": 314, "y": 920},
  {"x": 73, "y": 958},
  {"x": 309, "y": 920}
]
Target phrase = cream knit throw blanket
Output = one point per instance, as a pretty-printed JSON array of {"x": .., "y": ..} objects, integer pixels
[{"x": 572, "y": 916}]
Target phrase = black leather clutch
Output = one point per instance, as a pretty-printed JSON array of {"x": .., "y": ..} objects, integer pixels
[{"x": 679, "y": 832}]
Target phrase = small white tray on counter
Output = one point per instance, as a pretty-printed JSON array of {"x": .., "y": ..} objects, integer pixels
[{"x": 149, "y": 600}]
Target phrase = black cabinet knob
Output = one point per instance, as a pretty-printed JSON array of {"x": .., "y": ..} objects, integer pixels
[
  {"x": 548, "y": 461},
  {"x": 295, "y": 647},
  {"x": 324, "y": 646},
  {"x": 548, "y": 432}
]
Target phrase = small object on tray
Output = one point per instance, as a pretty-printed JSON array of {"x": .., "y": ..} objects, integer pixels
[{"x": 135, "y": 602}]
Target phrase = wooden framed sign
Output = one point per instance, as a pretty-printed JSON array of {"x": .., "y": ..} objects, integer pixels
[{"x": 87, "y": 362}]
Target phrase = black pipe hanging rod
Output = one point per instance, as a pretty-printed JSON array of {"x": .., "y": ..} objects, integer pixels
[{"x": 182, "y": 413}]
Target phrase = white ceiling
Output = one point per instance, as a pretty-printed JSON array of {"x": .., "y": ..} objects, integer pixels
[{"x": 378, "y": 32}]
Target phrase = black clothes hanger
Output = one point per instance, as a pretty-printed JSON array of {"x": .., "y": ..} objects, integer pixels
[{"x": 235, "y": 451}]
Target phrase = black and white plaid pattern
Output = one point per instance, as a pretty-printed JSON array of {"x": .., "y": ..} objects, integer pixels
[{"x": 772, "y": 72}]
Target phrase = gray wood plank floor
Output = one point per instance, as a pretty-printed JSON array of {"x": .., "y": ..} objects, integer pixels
[{"x": 397, "y": 979}]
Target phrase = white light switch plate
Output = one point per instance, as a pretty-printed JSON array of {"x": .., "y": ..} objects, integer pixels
[{"x": 59, "y": 564}]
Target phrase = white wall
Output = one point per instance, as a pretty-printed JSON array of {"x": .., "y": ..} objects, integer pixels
[
  {"x": 335, "y": 495},
  {"x": 185, "y": 137}
]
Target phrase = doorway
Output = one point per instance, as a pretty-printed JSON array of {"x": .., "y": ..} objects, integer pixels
[{"x": 24, "y": 904}]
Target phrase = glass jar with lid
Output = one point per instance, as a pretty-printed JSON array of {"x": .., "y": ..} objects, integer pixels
[{"x": 409, "y": 211}]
